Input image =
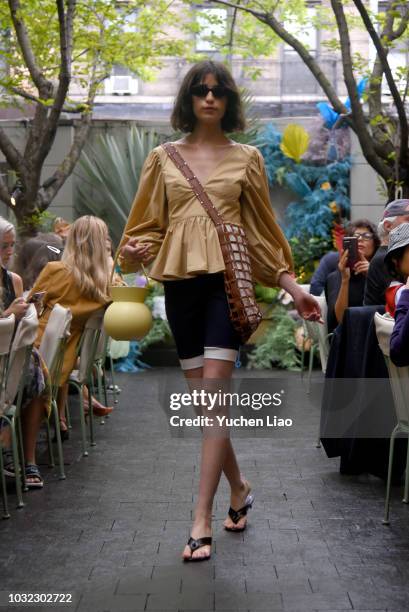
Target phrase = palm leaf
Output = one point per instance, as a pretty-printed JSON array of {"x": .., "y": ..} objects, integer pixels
[{"x": 108, "y": 176}]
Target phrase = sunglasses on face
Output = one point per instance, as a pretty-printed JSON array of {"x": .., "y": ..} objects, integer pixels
[
  {"x": 201, "y": 91},
  {"x": 364, "y": 235}
]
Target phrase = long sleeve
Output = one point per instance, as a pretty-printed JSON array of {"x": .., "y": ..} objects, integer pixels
[
  {"x": 270, "y": 252},
  {"x": 328, "y": 264},
  {"x": 148, "y": 219},
  {"x": 399, "y": 347}
]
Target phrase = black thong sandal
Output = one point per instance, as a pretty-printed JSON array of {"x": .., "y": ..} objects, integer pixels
[
  {"x": 194, "y": 545},
  {"x": 236, "y": 515},
  {"x": 32, "y": 471}
]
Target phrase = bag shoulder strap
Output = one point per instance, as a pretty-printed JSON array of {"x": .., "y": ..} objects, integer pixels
[{"x": 194, "y": 183}]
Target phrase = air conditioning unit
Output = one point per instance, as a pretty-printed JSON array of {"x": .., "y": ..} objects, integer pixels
[{"x": 121, "y": 85}]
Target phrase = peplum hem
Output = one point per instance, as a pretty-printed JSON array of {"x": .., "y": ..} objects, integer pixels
[{"x": 190, "y": 247}]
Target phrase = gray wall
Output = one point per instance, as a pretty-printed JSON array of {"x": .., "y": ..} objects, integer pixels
[{"x": 366, "y": 201}]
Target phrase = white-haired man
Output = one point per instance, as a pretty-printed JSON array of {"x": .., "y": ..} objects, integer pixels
[{"x": 378, "y": 278}]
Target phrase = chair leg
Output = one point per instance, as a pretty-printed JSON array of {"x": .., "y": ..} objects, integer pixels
[
  {"x": 82, "y": 419},
  {"x": 406, "y": 490},
  {"x": 49, "y": 444},
  {"x": 59, "y": 443},
  {"x": 104, "y": 382},
  {"x": 310, "y": 364},
  {"x": 19, "y": 491},
  {"x": 68, "y": 415},
  {"x": 91, "y": 417},
  {"x": 388, "y": 484},
  {"x": 114, "y": 391},
  {"x": 6, "y": 513},
  {"x": 21, "y": 452}
]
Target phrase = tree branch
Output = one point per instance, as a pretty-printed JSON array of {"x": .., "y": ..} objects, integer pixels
[
  {"x": 65, "y": 28},
  {"x": 358, "y": 114},
  {"x": 308, "y": 59},
  {"x": 59, "y": 177},
  {"x": 4, "y": 192},
  {"x": 42, "y": 84},
  {"x": 12, "y": 155},
  {"x": 404, "y": 128}
]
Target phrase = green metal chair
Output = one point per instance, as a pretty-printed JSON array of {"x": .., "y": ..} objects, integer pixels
[
  {"x": 52, "y": 351},
  {"x": 83, "y": 377},
  {"x": 6, "y": 335},
  {"x": 17, "y": 372},
  {"x": 399, "y": 379}
]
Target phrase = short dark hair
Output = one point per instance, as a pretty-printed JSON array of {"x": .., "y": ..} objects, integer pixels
[
  {"x": 183, "y": 118},
  {"x": 371, "y": 227}
]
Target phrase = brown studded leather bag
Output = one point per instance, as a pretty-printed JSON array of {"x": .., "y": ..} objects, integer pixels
[{"x": 244, "y": 311}]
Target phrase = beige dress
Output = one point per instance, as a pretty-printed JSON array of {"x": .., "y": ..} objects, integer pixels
[{"x": 167, "y": 215}]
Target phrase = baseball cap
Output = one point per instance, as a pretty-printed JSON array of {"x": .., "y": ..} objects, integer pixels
[
  {"x": 396, "y": 208},
  {"x": 398, "y": 237}
]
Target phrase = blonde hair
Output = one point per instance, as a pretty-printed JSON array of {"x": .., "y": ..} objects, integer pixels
[{"x": 86, "y": 258}]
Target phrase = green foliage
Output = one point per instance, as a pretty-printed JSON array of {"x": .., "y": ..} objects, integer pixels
[
  {"x": 307, "y": 252},
  {"x": 105, "y": 34},
  {"x": 37, "y": 222},
  {"x": 278, "y": 345},
  {"x": 109, "y": 176},
  {"x": 160, "y": 330}
]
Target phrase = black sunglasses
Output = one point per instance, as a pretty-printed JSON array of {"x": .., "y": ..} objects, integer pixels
[{"x": 201, "y": 91}]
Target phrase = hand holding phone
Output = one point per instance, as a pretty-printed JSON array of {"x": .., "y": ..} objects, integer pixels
[{"x": 351, "y": 243}]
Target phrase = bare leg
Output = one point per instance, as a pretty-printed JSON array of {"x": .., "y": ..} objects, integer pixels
[
  {"x": 217, "y": 455},
  {"x": 61, "y": 402},
  {"x": 31, "y": 419}
]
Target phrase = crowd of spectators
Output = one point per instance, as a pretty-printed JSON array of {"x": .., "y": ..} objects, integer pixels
[{"x": 71, "y": 267}]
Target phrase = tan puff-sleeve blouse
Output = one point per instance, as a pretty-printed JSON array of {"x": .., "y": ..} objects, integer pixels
[{"x": 167, "y": 215}]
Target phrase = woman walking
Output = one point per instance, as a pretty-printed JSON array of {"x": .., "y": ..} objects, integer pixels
[{"x": 168, "y": 224}]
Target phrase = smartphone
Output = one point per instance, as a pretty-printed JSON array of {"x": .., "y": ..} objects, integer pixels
[
  {"x": 36, "y": 297},
  {"x": 351, "y": 243}
]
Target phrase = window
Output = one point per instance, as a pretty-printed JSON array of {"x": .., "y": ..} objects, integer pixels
[
  {"x": 296, "y": 78},
  {"x": 211, "y": 22}
]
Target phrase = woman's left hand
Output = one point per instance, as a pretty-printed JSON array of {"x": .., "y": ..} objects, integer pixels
[
  {"x": 308, "y": 307},
  {"x": 362, "y": 266}
]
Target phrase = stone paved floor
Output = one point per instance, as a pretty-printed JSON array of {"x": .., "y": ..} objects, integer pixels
[{"x": 112, "y": 533}]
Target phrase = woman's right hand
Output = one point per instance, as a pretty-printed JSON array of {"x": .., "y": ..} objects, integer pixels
[
  {"x": 342, "y": 266},
  {"x": 136, "y": 252},
  {"x": 18, "y": 307}
]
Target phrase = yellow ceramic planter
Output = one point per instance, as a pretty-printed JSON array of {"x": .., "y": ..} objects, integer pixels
[{"x": 127, "y": 318}]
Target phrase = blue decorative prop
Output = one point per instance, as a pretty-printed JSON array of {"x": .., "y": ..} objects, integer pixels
[
  {"x": 329, "y": 115},
  {"x": 318, "y": 187},
  {"x": 131, "y": 363}
]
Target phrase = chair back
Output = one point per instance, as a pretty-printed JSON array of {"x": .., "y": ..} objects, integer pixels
[
  {"x": 89, "y": 344},
  {"x": 6, "y": 335},
  {"x": 20, "y": 352},
  {"x": 56, "y": 331},
  {"x": 318, "y": 332},
  {"x": 399, "y": 377}
]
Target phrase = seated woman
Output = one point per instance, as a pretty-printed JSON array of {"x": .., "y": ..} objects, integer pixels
[
  {"x": 79, "y": 282},
  {"x": 11, "y": 285},
  {"x": 397, "y": 294},
  {"x": 345, "y": 287},
  {"x": 36, "y": 400},
  {"x": 35, "y": 254}
]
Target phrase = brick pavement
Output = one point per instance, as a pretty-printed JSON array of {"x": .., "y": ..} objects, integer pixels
[{"x": 112, "y": 533}]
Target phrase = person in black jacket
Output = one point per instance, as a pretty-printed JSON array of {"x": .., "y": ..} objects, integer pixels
[{"x": 378, "y": 278}]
